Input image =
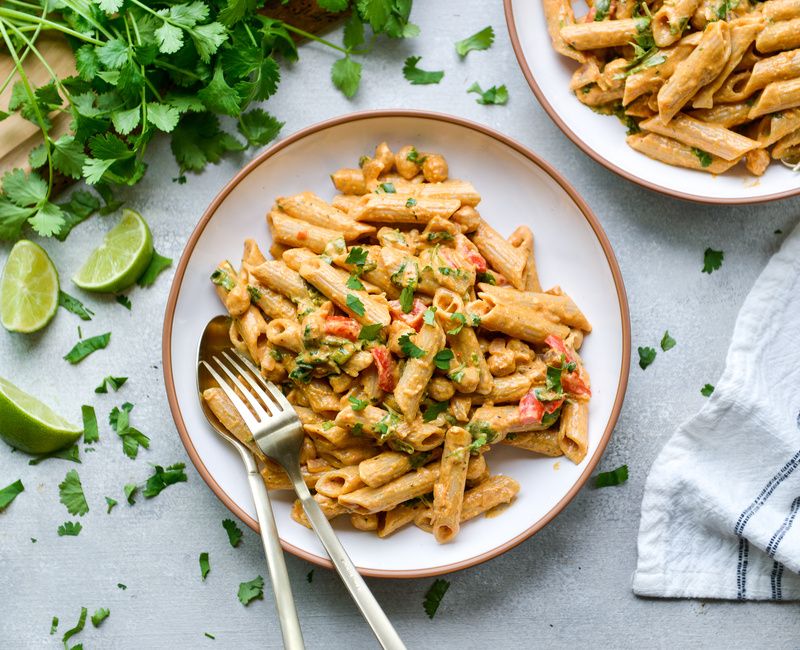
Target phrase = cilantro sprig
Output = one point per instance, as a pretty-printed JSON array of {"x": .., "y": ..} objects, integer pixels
[
  {"x": 434, "y": 595},
  {"x": 417, "y": 76},
  {"x": 481, "y": 40}
]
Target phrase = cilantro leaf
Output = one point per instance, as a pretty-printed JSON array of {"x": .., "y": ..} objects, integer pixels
[
  {"x": 418, "y": 77},
  {"x": 84, "y": 348},
  {"x": 443, "y": 358},
  {"x": 218, "y": 96},
  {"x": 407, "y": 298},
  {"x": 53, "y": 624},
  {"x": 712, "y": 260},
  {"x": 68, "y": 156},
  {"x": 78, "y": 627},
  {"x": 163, "y": 478},
  {"x": 90, "y": 430},
  {"x": 434, "y": 410},
  {"x": 354, "y": 304},
  {"x": 130, "y": 491},
  {"x": 74, "y": 305},
  {"x": 205, "y": 566},
  {"x": 114, "y": 382},
  {"x": 334, "y": 6},
  {"x": 70, "y": 453},
  {"x": 354, "y": 283},
  {"x": 250, "y": 591},
  {"x": 47, "y": 220},
  {"x": 234, "y": 532},
  {"x": 132, "y": 439},
  {"x": 706, "y": 390},
  {"x": 409, "y": 348},
  {"x": 646, "y": 357},
  {"x": 614, "y": 477},
  {"x": 667, "y": 342},
  {"x": 428, "y": 315},
  {"x": 357, "y": 256},
  {"x": 111, "y": 503},
  {"x": 100, "y": 615},
  {"x": 9, "y": 493},
  {"x": 259, "y": 127},
  {"x": 70, "y": 493},
  {"x": 157, "y": 264},
  {"x": 69, "y": 528},
  {"x": 461, "y": 319},
  {"x": 124, "y": 301},
  {"x": 434, "y": 595},
  {"x": 369, "y": 332},
  {"x": 703, "y": 156},
  {"x": 493, "y": 95},
  {"x": 358, "y": 404},
  {"x": 163, "y": 116},
  {"x": 346, "y": 75},
  {"x": 310, "y": 576},
  {"x": 411, "y": 202},
  {"x": 481, "y": 40}
]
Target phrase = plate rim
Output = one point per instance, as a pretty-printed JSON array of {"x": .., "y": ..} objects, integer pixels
[
  {"x": 602, "y": 160},
  {"x": 177, "y": 281}
]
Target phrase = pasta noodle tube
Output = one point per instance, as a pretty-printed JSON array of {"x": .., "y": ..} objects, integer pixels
[
  {"x": 414, "y": 484},
  {"x": 402, "y": 208},
  {"x": 448, "y": 491},
  {"x": 785, "y": 146},
  {"x": 711, "y": 138},
  {"x": 297, "y": 233},
  {"x": 698, "y": 69},
  {"x": 783, "y": 35},
  {"x": 339, "y": 481},
  {"x": 349, "y": 181},
  {"x": 230, "y": 290},
  {"x": 502, "y": 420},
  {"x": 522, "y": 238},
  {"x": 394, "y": 519},
  {"x": 384, "y": 467},
  {"x": 772, "y": 128},
  {"x": 540, "y": 442},
  {"x": 742, "y": 36},
  {"x": 368, "y": 523},
  {"x": 608, "y": 33},
  {"x": 671, "y": 19},
  {"x": 275, "y": 275},
  {"x": 253, "y": 328},
  {"x": 651, "y": 78},
  {"x": 272, "y": 303},
  {"x": 780, "y": 9},
  {"x": 477, "y": 469},
  {"x": 501, "y": 254},
  {"x": 558, "y": 13},
  {"x": 307, "y": 206},
  {"x": 573, "y": 432},
  {"x": 330, "y": 508},
  {"x": 462, "y": 191},
  {"x": 286, "y": 333},
  {"x": 561, "y": 306},
  {"x": 330, "y": 282},
  {"x": 229, "y": 418},
  {"x": 517, "y": 320},
  {"x": 778, "y": 96},
  {"x": 511, "y": 388},
  {"x": 672, "y": 152},
  {"x": 785, "y": 65},
  {"x": 417, "y": 372},
  {"x": 757, "y": 161},
  {"x": 726, "y": 115},
  {"x": 422, "y": 436}
]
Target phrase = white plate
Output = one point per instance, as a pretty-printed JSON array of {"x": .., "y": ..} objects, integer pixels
[
  {"x": 572, "y": 251},
  {"x": 603, "y": 136}
]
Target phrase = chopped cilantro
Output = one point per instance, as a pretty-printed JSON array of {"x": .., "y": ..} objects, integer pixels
[
  {"x": 706, "y": 390},
  {"x": 439, "y": 235},
  {"x": 712, "y": 260},
  {"x": 130, "y": 491},
  {"x": 415, "y": 156},
  {"x": 387, "y": 188},
  {"x": 667, "y": 342},
  {"x": 71, "y": 494},
  {"x": 163, "y": 478},
  {"x": 646, "y": 357},
  {"x": 205, "y": 567},
  {"x": 419, "y": 459},
  {"x": 222, "y": 279},
  {"x": 99, "y": 616},
  {"x": 458, "y": 374},
  {"x": 124, "y": 301},
  {"x": 357, "y": 256},
  {"x": 481, "y": 40},
  {"x": 310, "y": 575},
  {"x": 434, "y": 595},
  {"x": 255, "y": 293},
  {"x": 354, "y": 304},
  {"x": 417, "y": 76},
  {"x": 494, "y": 95},
  {"x": 411, "y": 202},
  {"x": 461, "y": 320},
  {"x": 407, "y": 298},
  {"x": 486, "y": 277},
  {"x": 84, "y": 348},
  {"x": 158, "y": 263},
  {"x": 354, "y": 283},
  {"x": 358, "y": 429},
  {"x": 132, "y": 438},
  {"x": 249, "y": 591},
  {"x": 614, "y": 477},
  {"x": 209, "y": 635},
  {"x": 443, "y": 358},
  {"x": 703, "y": 156},
  {"x": 54, "y": 625},
  {"x": 369, "y": 332},
  {"x": 9, "y": 493},
  {"x": 90, "y": 429},
  {"x": 74, "y": 305},
  {"x": 429, "y": 315},
  {"x": 78, "y": 627},
  {"x": 111, "y": 503},
  {"x": 601, "y": 8},
  {"x": 69, "y": 528},
  {"x": 114, "y": 382},
  {"x": 434, "y": 410},
  {"x": 358, "y": 404},
  {"x": 409, "y": 348},
  {"x": 121, "y": 586},
  {"x": 234, "y": 532}
]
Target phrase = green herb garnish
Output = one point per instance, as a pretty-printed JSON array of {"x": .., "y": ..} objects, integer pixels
[
  {"x": 417, "y": 76},
  {"x": 614, "y": 477},
  {"x": 428, "y": 315},
  {"x": 411, "y": 202},
  {"x": 369, "y": 332},
  {"x": 124, "y": 301},
  {"x": 70, "y": 493},
  {"x": 358, "y": 404},
  {"x": 132, "y": 438},
  {"x": 646, "y": 357},
  {"x": 434, "y": 595},
  {"x": 409, "y": 348},
  {"x": 75, "y": 630},
  {"x": 354, "y": 304},
  {"x": 99, "y": 616},
  {"x": 158, "y": 263},
  {"x": 69, "y": 529},
  {"x": 250, "y": 591},
  {"x": 114, "y": 383},
  {"x": 205, "y": 565},
  {"x": 481, "y": 40},
  {"x": 703, "y": 156},
  {"x": 443, "y": 358},
  {"x": 706, "y": 390},
  {"x": 494, "y": 95},
  {"x": 667, "y": 342},
  {"x": 111, "y": 503},
  {"x": 234, "y": 532},
  {"x": 90, "y": 429},
  {"x": 163, "y": 478},
  {"x": 712, "y": 260},
  {"x": 84, "y": 348},
  {"x": 9, "y": 493},
  {"x": 74, "y": 305},
  {"x": 434, "y": 410}
]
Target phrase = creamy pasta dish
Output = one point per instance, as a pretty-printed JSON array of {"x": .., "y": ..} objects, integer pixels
[
  {"x": 411, "y": 337},
  {"x": 703, "y": 84}
]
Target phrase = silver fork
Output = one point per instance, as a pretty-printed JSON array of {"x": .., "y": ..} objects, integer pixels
[{"x": 279, "y": 434}]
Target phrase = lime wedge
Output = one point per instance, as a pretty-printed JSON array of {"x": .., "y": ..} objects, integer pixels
[
  {"x": 28, "y": 288},
  {"x": 122, "y": 257},
  {"x": 29, "y": 425}
]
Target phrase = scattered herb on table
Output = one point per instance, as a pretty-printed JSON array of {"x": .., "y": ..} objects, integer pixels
[
  {"x": 310, "y": 575},
  {"x": 614, "y": 477},
  {"x": 417, "y": 76},
  {"x": 91, "y": 433},
  {"x": 481, "y": 40},
  {"x": 209, "y": 635},
  {"x": 111, "y": 503},
  {"x": 646, "y": 357},
  {"x": 434, "y": 595},
  {"x": 124, "y": 301},
  {"x": 712, "y": 260},
  {"x": 78, "y": 627},
  {"x": 72, "y": 304},
  {"x": 157, "y": 264},
  {"x": 667, "y": 342},
  {"x": 494, "y": 95},
  {"x": 84, "y": 348},
  {"x": 69, "y": 528},
  {"x": 9, "y": 493},
  {"x": 121, "y": 586},
  {"x": 234, "y": 532},
  {"x": 113, "y": 382},
  {"x": 100, "y": 615},
  {"x": 71, "y": 453},
  {"x": 132, "y": 438},
  {"x": 70, "y": 493},
  {"x": 130, "y": 491},
  {"x": 163, "y": 478},
  {"x": 205, "y": 566},
  {"x": 706, "y": 390},
  {"x": 54, "y": 625},
  {"x": 250, "y": 591}
]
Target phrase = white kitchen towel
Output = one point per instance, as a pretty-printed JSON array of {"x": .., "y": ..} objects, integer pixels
[{"x": 720, "y": 509}]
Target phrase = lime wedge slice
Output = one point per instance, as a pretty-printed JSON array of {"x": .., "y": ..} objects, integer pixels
[
  {"x": 28, "y": 288},
  {"x": 29, "y": 425},
  {"x": 122, "y": 257}
]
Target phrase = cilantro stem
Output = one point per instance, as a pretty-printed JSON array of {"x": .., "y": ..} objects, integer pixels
[
  {"x": 312, "y": 37},
  {"x": 85, "y": 12},
  {"x": 28, "y": 5},
  {"x": 36, "y": 29},
  {"x": 169, "y": 66},
  {"x": 21, "y": 15}
]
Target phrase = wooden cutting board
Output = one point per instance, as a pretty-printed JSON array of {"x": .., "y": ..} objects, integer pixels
[{"x": 18, "y": 136}]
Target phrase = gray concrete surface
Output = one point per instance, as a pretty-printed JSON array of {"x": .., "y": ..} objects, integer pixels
[{"x": 569, "y": 586}]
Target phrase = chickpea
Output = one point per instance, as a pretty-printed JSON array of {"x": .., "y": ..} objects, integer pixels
[{"x": 434, "y": 168}]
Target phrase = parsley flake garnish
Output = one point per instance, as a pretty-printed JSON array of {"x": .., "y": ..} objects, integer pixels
[
  {"x": 9, "y": 493},
  {"x": 434, "y": 595},
  {"x": 417, "y": 76},
  {"x": 459, "y": 318},
  {"x": 54, "y": 625},
  {"x": 407, "y": 298},
  {"x": 84, "y": 348},
  {"x": 409, "y": 348},
  {"x": 357, "y": 256},
  {"x": 74, "y": 305},
  {"x": 486, "y": 277},
  {"x": 411, "y": 202},
  {"x": 354, "y": 304},
  {"x": 205, "y": 566},
  {"x": 130, "y": 491},
  {"x": 387, "y": 188},
  {"x": 614, "y": 477},
  {"x": 646, "y": 357},
  {"x": 209, "y": 635},
  {"x": 428, "y": 315},
  {"x": 358, "y": 404},
  {"x": 234, "y": 532},
  {"x": 250, "y": 591},
  {"x": 255, "y": 293},
  {"x": 481, "y": 40},
  {"x": 354, "y": 283},
  {"x": 415, "y": 157},
  {"x": 114, "y": 382},
  {"x": 132, "y": 438},
  {"x": 712, "y": 260},
  {"x": 706, "y": 390},
  {"x": 222, "y": 279},
  {"x": 495, "y": 95},
  {"x": 703, "y": 156},
  {"x": 71, "y": 494},
  {"x": 667, "y": 342}
]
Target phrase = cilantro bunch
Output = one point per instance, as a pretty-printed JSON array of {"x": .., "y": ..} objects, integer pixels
[{"x": 155, "y": 66}]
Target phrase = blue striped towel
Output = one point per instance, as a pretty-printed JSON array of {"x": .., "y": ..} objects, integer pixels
[{"x": 720, "y": 509}]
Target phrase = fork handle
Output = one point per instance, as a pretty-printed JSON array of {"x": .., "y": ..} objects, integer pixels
[
  {"x": 281, "y": 587},
  {"x": 359, "y": 591}
]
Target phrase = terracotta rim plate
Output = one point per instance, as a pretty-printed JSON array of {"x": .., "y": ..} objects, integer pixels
[
  {"x": 602, "y": 137},
  {"x": 517, "y": 187}
]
